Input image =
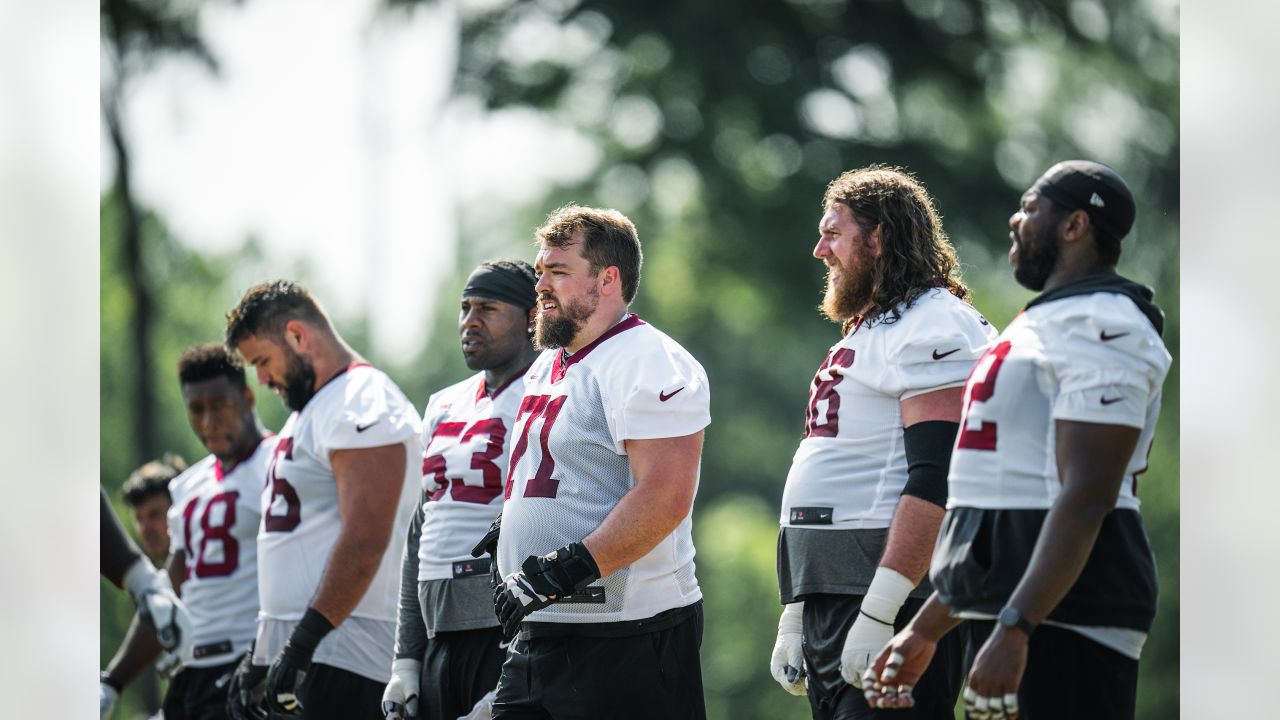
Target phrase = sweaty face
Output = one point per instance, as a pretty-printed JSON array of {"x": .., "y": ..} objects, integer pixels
[
  {"x": 290, "y": 375},
  {"x": 149, "y": 517},
  {"x": 221, "y": 415},
  {"x": 845, "y": 248},
  {"x": 492, "y": 332},
  {"x": 568, "y": 295},
  {"x": 1035, "y": 250}
]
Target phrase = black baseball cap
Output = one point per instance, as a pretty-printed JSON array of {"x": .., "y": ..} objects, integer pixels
[{"x": 1094, "y": 188}]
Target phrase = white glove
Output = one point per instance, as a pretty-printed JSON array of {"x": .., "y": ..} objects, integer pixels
[
  {"x": 107, "y": 697},
  {"x": 400, "y": 699},
  {"x": 483, "y": 709},
  {"x": 787, "y": 663},
  {"x": 159, "y": 606},
  {"x": 873, "y": 629}
]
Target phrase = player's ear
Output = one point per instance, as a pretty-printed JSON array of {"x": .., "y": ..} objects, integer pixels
[
  {"x": 248, "y": 396},
  {"x": 873, "y": 240},
  {"x": 295, "y": 335},
  {"x": 611, "y": 280},
  {"x": 1076, "y": 226}
]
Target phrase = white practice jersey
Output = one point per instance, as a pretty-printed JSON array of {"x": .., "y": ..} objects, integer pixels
[
  {"x": 359, "y": 408},
  {"x": 1090, "y": 358},
  {"x": 569, "y": 466},
  {"x": 466, "y": 441},
  {"x": 214, "y": 522},
  {"x": 851, "y": 465}
]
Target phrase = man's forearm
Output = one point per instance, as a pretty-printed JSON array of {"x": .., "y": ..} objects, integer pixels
[
  {"x": 640, "y": 520},
  {"x": 352, "y": 563},
  {"x": 934, "y": 618},
  {"x": 1065, "y": 543},
  {"x": 411, "y": 631},
  {"x": 912, "y": 535},
  {"x": 116, "y": 548},
  {"x": 137, "y": 652}
]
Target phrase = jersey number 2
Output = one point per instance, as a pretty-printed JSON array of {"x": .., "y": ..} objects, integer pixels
[{"x": 981, "y": 386}]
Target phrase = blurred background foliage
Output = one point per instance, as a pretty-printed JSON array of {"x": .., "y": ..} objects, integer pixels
[{"x": 715, "y": 126}]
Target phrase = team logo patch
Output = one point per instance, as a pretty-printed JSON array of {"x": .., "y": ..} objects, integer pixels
[
  {"x": 1096, "y": 201},
  {"x": 222, "y": 647},
  {"x": 811, "y": 515},
  {"x": 467, "y": 568}
]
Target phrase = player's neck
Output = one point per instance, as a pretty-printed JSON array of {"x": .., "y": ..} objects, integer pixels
[
  {"x": 332, "y": 358},
  {"x": 495, "y": 378},
  {"x": 1074, "y": 266},
  {"x": 242, "y": 450},
  {"x": 597, "y": 325}
]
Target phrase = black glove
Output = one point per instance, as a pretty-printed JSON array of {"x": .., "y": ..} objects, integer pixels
[
  {"x": 289, "y": 669},
  {"x": 489, "y": 544},
  {"x": 541, "y": 582},
  {"x": 244, "y": 693}
]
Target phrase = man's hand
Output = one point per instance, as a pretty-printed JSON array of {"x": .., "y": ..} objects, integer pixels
[
  {"x": 244, "y": 694},
  {"x": 897, "y": 668},
  {"x": 997, "y": 672},
  {"x": 159, "y": 607},
  {"x": 542, "y": 581},
  {"x": 108, "y": 693},
  {"x": 289, "y": 669},
  {"x": 873, "y": 627},
  {"x": 489, "y": 544},
  {"x": 400, "y": 699},
  {"x": 787, "y": 662},
  {"x": 483, "y": 709}
]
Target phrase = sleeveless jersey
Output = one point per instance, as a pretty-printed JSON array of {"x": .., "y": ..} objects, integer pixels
[
  {"x": 851, "y": 465},
  {"x": 214, "y": 522},
  {"x": 1091, "y": 358},
  {"x": 358, "y": 408},
  {"x": 466, "y": 439},
  {"x": 569, "y": 466}
]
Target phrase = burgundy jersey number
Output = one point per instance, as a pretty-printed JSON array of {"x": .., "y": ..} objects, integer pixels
[
  {"x": 483, "y": 460},
  {"x": 535, "y": 406},
  {"x": 825, "y": 389},
  {"x": 280, "y": 488},
  {"x": 981, "y": 386},
  {"x": 221, "y": 533}
]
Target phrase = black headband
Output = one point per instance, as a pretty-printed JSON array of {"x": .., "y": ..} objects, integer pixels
[
  {"x": 1094, "y": 188},
  {"x": 499, "y": 283}
]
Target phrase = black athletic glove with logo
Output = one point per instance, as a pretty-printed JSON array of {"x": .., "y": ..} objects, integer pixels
[
  {"x": 244, "y": 693},
  {"x": 489, "y": 544},
  {"x": 289, "y": 669},
  {"x": 541, "y": 582}
]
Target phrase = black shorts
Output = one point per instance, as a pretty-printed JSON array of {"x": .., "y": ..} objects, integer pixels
[
  {"x": 827, "y": 619},
  {"x": 1069, "y": 676},
  {"x": 459, "y": 668},
  {"x": 199, "y": 693},
  {"x": 581, "y": 677},
  {"x": 329, "y": 693}
]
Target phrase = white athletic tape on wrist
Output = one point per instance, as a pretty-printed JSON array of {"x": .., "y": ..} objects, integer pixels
[
  {"x": 886, "y": 594},
  {"x": 139, "y": 577},
  {"x": 792, "y": 618}
]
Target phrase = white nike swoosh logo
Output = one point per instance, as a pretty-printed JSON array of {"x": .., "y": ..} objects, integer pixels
[
  {"x": 220, "y": 682},
  {"x": 504, "y": 645}
]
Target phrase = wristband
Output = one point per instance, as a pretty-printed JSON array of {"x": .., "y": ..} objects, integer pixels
[
  {"x": 309, "y": 632},
  {"x": 886, "y": 594}
]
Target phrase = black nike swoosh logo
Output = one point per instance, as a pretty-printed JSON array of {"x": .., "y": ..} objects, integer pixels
[
  {"x": 1105, "y": 337},
  {"x": 1108, "y": 401},
  {"x": 665, "y": 396},
  {"x": 938, "y": 356},
  {"x": 362, "y": 428}
]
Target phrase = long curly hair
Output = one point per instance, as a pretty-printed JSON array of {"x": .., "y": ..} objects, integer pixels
[{"x": 915, "y": 253}]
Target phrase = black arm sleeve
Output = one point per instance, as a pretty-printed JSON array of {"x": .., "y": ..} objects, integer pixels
[
  {"x": 411, "y": 630},
  {"x": 117, "y": 549},
  {"x": 928, "y": 445}
]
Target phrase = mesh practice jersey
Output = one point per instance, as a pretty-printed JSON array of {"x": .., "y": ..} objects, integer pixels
[
  {"x": 569, "y": 466},
  {"x": 1093, "y": 358},
  {"x": 214, "y": 522},
  {"x": 466, "y": 438},
  {"x": 851, "y": 466},
  {"x": 358, "y": 408}
]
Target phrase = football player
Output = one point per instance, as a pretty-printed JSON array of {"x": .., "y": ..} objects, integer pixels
[
  {"x": 146, "y": 493},
  {"x": 864, "y": 497},
  {"x": 1043, "y": 548},
  {"x": 339, "y": 492},
  {"x": 449, "y": 648},
  {"x": 595, "y": 550}
]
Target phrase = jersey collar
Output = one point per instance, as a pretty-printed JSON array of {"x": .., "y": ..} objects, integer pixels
[
  {"x": 219, "y": 472},
  {"x": 561, "y": 365},
  {"x": 483, "y": 390}
]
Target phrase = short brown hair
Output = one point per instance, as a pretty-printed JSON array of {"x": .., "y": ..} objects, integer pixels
[
  {"x": 152, "y": 479},
  {"x": 915, "y": 253},
  {"x": 267, "y": 306},
  {"x": 609, "y": 238}
]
